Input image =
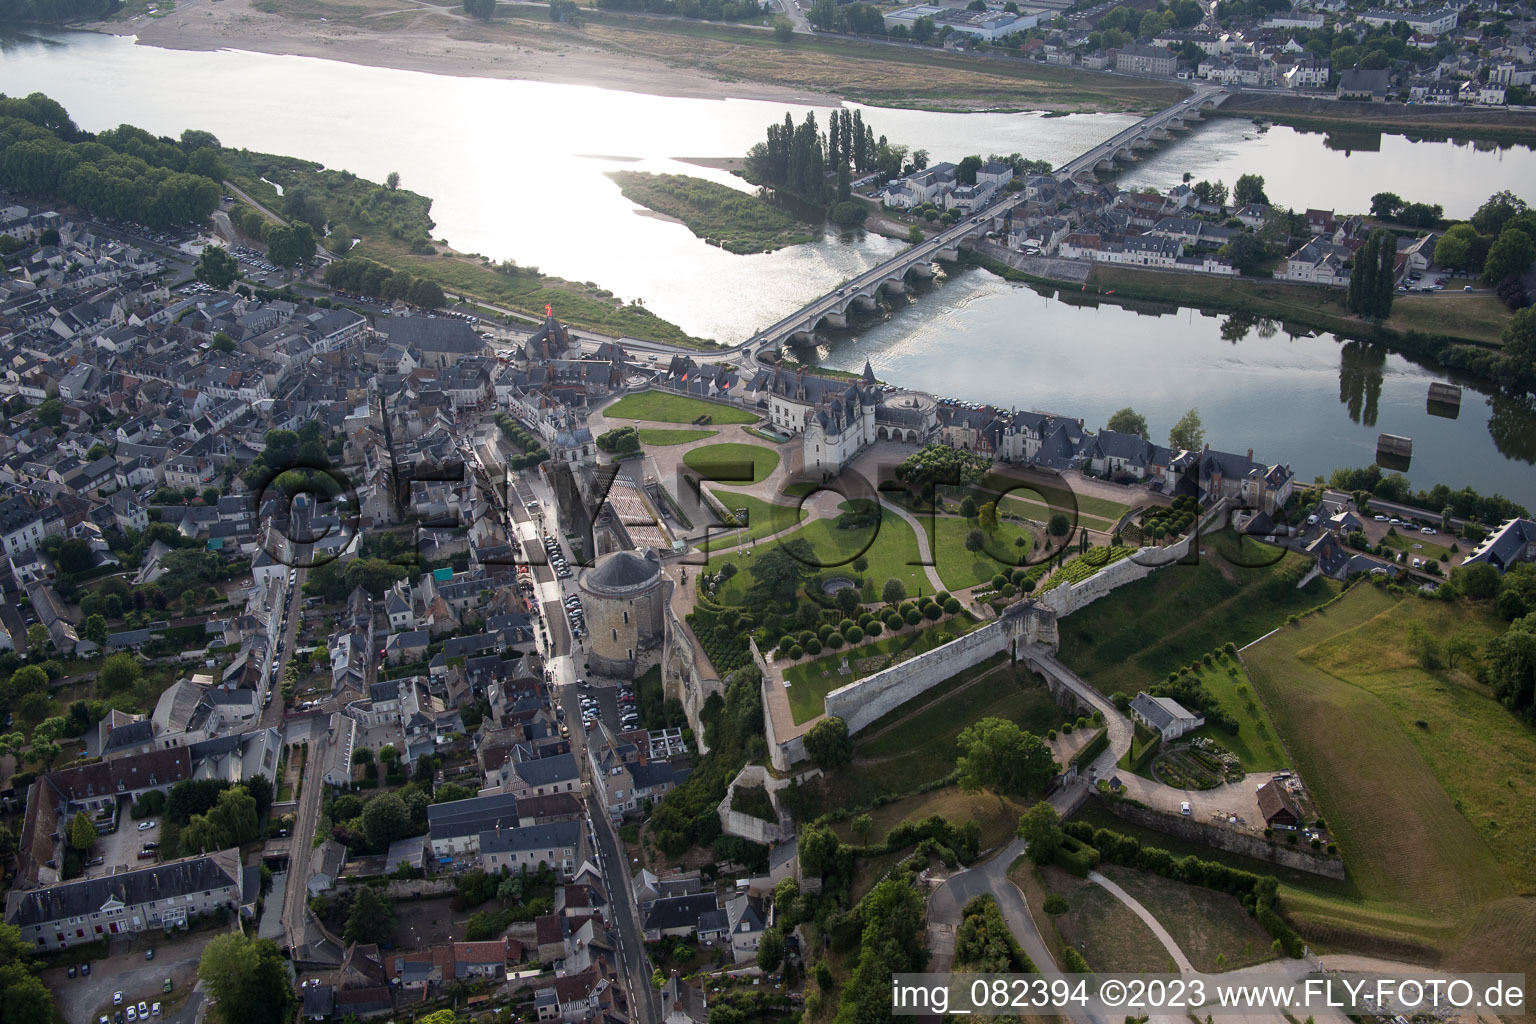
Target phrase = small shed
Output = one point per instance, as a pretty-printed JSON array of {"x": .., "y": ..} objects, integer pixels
[{"x": 1277, "y": 806}]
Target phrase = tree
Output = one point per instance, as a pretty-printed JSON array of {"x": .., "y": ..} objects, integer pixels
[
  {"x": 922, "y": 30},
  {"x": 82, "y": 834},
  {"x": 248, "y": 979},
  {"x": 1511, "y": 666},
  {"x": 75, "y": 555},
  {"x": 1456, "y": 248},
  {"x": 1188, "y": 433},
  {"x": 1249, "y": 188},
  {"x": 291, "y": 246},
  {"x": 995, "y": 753},
  {"x": 1509, "y": 256},
  {"x": 783, "y": 29},
  {"x": 1500, "y": 208},
  {"x": 1128, "y": 421},
  {"x": 388, "y": 755},
  {"x": 37, "y": 640},
  {"x": 392, "y": 180},
  {"x": 968, "y": 507},
  {"x": 217, "y": 268},
  {"x": 235, "y": 816},
  {"x": 362, "y": 755},
  {"x": 372, "y": 918},
  {"x": 975, "y": 540},
  {"x": 986, "y": 517},
  {"x": 385, "y": 820},
  {"x": 1384, "y": 205},
  {"x": 894, "y": 591},
  {"x": 770, "y": 950},
  {"x": 1040, "y": 828},
  {"x": 862, "y": 825},
  {"x": 828, "y": 744},
  {"x": 777, "y": 574},
  {"x": 914, "y": 234},
  {"x": 28, "y": 679},
  {"x": 1058, "y": 525},
  {"x": 94, "y": 629}
]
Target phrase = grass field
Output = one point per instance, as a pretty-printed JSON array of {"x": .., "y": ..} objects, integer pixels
[
  {"x": 1256, "y": 742},
  {"x": 1204, "y": 923},
  {"x": 731, "y": 460},
  {"x": 811, "y": 681},
  {"x": 890, "y": 547},
  {"x": 734, "y": 220},
  {"x": 998, "y": 815},
  {"x": 959, "y": 568},
  {"x": 576, "y": 304},
  {"x": 763, "y": 518},
  {"x": 662, "y": 438},
  {"x": 662, "y": 407},
  {"x": 1107, "y": 932},
  {"x": 1476, "y": 317},
  {"x": 1009, "y": 691},
  {"x": 1433, "y": 820},
  {"x": 1143, "y": 630}
]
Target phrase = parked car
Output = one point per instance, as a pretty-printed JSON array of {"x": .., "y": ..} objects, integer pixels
[
  {"x": 1428, "y": 531},
  {"x": 117, "y": 999},
  {"x": 143, "y": 1008},
  {"x": 145, "y": 826},
  {"x": 71, "y": 972},
  {"x": 149, "y": 954},
  {"x": 85, "y": 969}
]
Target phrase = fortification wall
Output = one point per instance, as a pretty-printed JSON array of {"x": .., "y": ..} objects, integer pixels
[
  {"x": 749, "y": 826},
  {"x": 860, "y": 703},
  {"x": 1244, "y": 843}
]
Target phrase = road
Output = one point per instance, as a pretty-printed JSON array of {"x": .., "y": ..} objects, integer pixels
[{"x": 528, "y": 527}]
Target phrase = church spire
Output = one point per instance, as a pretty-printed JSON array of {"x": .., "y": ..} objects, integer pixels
[{"x": 869, "y": 373}]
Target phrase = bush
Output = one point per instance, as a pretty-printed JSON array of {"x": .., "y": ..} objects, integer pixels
[
  {"x": 1056, "y": 903},
  {"x": 813, "y": 647},
  {"x": 1076, "y": 856},
  {"x": 796, "y": 652}
]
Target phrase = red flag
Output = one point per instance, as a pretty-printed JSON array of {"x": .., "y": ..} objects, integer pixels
[
  {"x": 549, "y": 310},
  {"x": 685, "y": 377},
  {"x": 1083, "y": 288}
]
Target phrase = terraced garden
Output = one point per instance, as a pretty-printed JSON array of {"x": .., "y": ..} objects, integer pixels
[{"x": 733, "y": 462}]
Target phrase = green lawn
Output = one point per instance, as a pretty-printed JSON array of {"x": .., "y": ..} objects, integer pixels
[
  {"x": 1143, "y": 630},
  {"x": 1420, "y": 774},
  {"x": 663, "y": 407},
  {"x": 729, "y": 460},
  {"x": 891, "y": 549},
  {"x": 662, "y": 438},
  {"x": 959, "y": 568},
  {"x": 811, "y": 681},
  {"x": 1033, "y": 508},
  {"x": 763, "y": 518},
  {"x": 1009, "y": 691},
  {"x": 1256, "y": 742}
]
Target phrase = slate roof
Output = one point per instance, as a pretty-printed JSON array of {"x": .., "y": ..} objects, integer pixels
[
  {"x": 554, "y": 835},
  {"x": 471, "y": 816},
  {"x": 131, "y": 888},
  {"x": 428, "y": 335},
  {"x": 1161, "y": 712},
  {"x": 546, "y": 771},
  {"x": 678, "y": 911}
]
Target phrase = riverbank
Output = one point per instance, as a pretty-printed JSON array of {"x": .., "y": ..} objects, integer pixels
[
  {"x": 1417, "y": 329},
  {"x": 1418, "y": 122},
  {"x": 656, "y": 55},
  {"x": 436, "y": 39},
  {"x": 735, "y": 221}
]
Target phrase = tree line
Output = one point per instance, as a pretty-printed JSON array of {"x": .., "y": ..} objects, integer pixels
[
  {"x": 54, "y": 12},
  {"x": 818, "y": 168},
  {"x": 363, "y": 276},
  {"x": 1373, "y": 278},
  {"x": 714, "y": 10},
  {"x": 124, "y": 174}
]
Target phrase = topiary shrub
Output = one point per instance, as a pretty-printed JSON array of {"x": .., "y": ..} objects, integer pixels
[
  {"x": 796, "y": 652},
  {"x": 873, "y": 628},
  {"x": 933, "y": 612},
  {"x": 912, "y": 617},
  {"x": 951, "y": 605},
  {"x": 834, "y": 642},
  {"x": 813, "y": 647}
]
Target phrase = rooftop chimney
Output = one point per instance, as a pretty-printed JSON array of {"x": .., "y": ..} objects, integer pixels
[{"x": 1250, "y": 454}]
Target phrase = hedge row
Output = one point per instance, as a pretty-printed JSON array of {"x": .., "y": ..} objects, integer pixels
[
  {"x": 1092, "y": 749},
  {"x": 1076, "y": 856}
]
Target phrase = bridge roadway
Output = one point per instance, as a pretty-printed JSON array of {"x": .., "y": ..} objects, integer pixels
[
  {"x": 943, "y": 245},
  {"x": 946, "y": 242}
]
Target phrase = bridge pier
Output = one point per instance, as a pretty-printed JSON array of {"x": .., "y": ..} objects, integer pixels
[
  {"x": 838, "y": 320},
  {"x": 923, "y": 269},
  {"x": 896, "y": 286},
  {"x": 868, "y": 303},
  {"x": 948, "y": 255},
  {"x": 801, "y": 337}
]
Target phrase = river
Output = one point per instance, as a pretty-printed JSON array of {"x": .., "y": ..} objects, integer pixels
[{"x": 516, "y": 171}]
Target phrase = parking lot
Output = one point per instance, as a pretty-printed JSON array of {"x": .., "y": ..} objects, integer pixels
[
  {"x": 85, "y": 999},
  {"x": 608, "y": 707},
  {"x": 121, "y": 848}
]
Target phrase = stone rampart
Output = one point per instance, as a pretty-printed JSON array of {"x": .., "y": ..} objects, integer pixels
[{"x": 1247, "y": 844}]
